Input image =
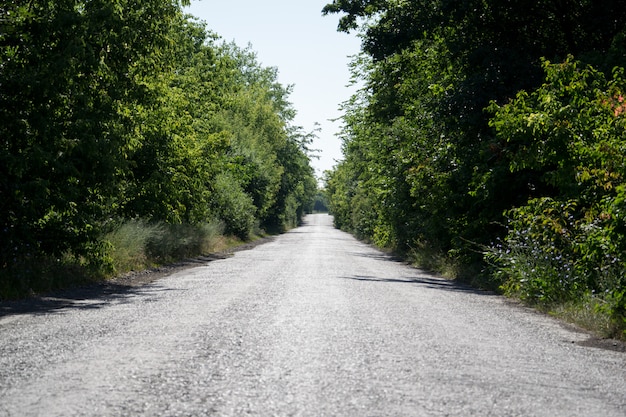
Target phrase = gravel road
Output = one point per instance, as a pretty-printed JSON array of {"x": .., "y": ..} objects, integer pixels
[{"x": 313, "y": 323}]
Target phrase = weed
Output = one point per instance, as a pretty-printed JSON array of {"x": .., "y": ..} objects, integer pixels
[
  {"x": 128, "y": 244},
  {"x": 137, "y": 244}
]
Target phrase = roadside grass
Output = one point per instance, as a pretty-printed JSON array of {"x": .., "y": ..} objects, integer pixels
[
  {"x": 137, "y": 245},
  {"x": 588, "y": 312},
  {"x": 128, "y": 243},
  {"x": 132, "y": 245},
  {"x": 434, "y": 261}
]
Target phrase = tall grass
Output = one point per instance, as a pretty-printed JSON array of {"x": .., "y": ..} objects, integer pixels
[
  {"x": 137, "y": 244},
  {"x": 130, "y": 245},
  {"x": 588, "y": 313}
]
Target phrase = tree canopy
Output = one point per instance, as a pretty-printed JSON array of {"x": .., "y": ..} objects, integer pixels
[
  {"x": 120, "y": 109},
  {"x": 478, "y": 120}
]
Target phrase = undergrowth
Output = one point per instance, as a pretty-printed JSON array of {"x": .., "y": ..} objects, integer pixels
[
  {"x": 587, "y": 313},
  {"x": 129, "y": 246},
  {"x": 447, "y": 266},
  {"x": 137, "y": 244},
  {"x": 595, "y": 312}
]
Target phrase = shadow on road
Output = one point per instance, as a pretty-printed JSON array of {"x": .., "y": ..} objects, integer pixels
[
  {"x": 425, "y": 280},
  {"x": 99, "y": 295},
  {"x": 380, "y": 256},
  {"x": 84, "y": 298},
  {"x": 432, "y": 283}
]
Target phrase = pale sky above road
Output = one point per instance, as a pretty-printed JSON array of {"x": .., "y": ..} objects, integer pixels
[{"x": 293, "y": 36}]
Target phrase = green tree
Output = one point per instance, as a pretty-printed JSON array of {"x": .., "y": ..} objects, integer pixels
[
  {"x": 173, "y": 168},
  {"x": 571, "y": 132},
  {"x": 429, "y": 159},
  {"x": 72, "y": 75},
  {"x": 114, "y": 111}
]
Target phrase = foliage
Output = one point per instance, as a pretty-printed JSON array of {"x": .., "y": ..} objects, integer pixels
[
  {"x": 320, "y": 202},
  {"x": 435, "y": 162},
  {"x": 298, "y": 185},
  {"x": 71, "y": 76},
  {"x": 234, "y": 206},
  {"x": 572, "y": 131},
  {"x": 137, "y": 244},
  {"x": 131, "y": 110}
]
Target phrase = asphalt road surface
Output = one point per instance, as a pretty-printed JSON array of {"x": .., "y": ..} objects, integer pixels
[{"x": 313, "y": 323}]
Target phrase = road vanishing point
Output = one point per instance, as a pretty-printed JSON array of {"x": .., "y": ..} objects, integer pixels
[{"x": 313, "y": 323}]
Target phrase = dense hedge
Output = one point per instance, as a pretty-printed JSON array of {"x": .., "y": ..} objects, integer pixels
[
  {"x": 117, "y": 110},
  {"x": 491, "y": 128}
]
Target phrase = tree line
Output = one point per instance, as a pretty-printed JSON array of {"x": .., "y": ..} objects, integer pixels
[
  {"x": 490, "y": 135},
  {"x": 117, "y": 111}
]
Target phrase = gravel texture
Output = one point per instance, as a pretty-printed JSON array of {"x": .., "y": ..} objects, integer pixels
[{"x": 312, "y": 323}]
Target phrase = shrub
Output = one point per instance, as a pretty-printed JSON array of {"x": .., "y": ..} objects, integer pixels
[
  {"x": 137, "y": 244},
  {"x": 234, "y": 207},
  {"x": 569, "y": 242}
]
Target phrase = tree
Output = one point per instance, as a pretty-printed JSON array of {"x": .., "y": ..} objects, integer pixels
[
  {"x": 114, "y": 111},
  {"x": 569, "y": 243},
  {"x": 72, "y": 75},
  {"x": 429, "y": 156}
]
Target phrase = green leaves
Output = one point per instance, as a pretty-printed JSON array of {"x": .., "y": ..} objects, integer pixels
[
  {"x": 125, "y": 109},
  {"x": 476, "y": 125},
  {"x": 573, "y": 242}
]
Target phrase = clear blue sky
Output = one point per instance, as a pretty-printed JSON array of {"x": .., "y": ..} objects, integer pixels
[{"x": 293, "y": 36}]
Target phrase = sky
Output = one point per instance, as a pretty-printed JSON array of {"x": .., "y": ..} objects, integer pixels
[{"x": 307, "y": 50}]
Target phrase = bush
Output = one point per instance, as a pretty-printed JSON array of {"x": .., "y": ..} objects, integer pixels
[
  {"x": 570, "y": 243},
  {"x": 234, "y": 207},
  {"x": 137, "y": 244},
  {"x": 537, "y": 260}
]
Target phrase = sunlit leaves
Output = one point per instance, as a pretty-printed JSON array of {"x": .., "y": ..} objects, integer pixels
[
  {"x": 562, "y": 246},
  {"x": 119, "y": 108},
  {"x": 426, "y": 164}
]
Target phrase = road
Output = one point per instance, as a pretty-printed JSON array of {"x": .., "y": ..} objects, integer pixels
[{"x": 313, "y": 323}]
